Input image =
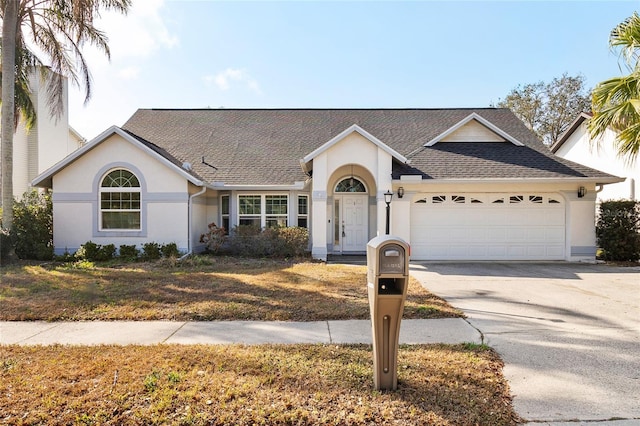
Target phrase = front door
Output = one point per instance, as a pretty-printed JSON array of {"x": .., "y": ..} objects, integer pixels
[{"x": 352, "y": 221}]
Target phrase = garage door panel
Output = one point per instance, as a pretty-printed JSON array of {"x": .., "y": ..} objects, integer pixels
[
  {"x": 516, "y": 234},
  {"x": 530, "y": 229}
]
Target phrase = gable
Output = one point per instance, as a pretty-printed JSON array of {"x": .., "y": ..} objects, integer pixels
[
  {"x": 473, "y": 131},
  {"x": 348, "y": 132},
  {"x": 45, "y": 179},
  {"x": 474, "y": 128}
]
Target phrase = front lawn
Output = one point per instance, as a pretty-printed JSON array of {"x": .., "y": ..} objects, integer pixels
[
  {"x": 250, "y": 385},
  {"x": 203, "y": 288}
]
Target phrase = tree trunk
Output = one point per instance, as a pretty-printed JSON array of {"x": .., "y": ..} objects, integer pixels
[{"x": 9, "y": 29}]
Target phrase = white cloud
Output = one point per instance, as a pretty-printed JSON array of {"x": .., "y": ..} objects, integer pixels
[
  {"x": 133, "y": 40},
  {"x": 139, "y": 33},
  {"x": 224, "y": 79}
]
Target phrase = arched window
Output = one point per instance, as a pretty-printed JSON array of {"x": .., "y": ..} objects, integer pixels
[
  {"x": 350, "y": 185},
  {"x": 120, "y": 201}
]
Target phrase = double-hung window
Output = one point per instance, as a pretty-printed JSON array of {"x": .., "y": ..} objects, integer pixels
[
  {"x": 303, "y": 211},
  {"x": 276, "y": 210},
  {"x": 263, "y": 210},
  {"x": 120, "y": 201},
  {"x": 250, "y": 210},
  {"x": 224, "y": 212}
]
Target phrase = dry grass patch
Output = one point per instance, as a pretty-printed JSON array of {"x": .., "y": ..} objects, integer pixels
[
  {"x": 208, "y": 289},
  {"x": 240, "y": 385}
]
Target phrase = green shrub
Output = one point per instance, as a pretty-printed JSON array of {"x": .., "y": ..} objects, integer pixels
[
  {"x": 66, "y": 257},
  {"x": 170, "y": 250},
  {"x": 129, "y": 252},
  {"x": 95, "y": 252},
  {"x": 618, "y": 230},
  {"x": 151, "y": 251},
  {"x": 107, "y": 252},
  {"x": 32, "y": 231}
]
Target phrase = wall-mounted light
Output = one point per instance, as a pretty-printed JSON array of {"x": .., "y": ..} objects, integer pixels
[
  {"x": 400, "y": 192},
  {"x": 581, "y": 191}
]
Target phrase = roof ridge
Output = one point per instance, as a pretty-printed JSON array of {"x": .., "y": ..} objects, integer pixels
[{"x": 327, "y": 109}]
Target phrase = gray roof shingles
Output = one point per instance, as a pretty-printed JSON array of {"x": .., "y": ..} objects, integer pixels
[{"x": 264, "y": 146}]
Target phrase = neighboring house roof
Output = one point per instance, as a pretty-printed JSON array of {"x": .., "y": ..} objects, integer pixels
[
  {"x": 266, "y": 146},
  {"x": 572, "y": 128}
]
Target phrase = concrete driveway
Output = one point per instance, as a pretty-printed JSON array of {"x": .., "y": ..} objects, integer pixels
[{"x": 569, "y": 334}]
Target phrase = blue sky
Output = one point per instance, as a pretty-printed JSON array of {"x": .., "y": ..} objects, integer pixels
[{"x": 341, "y": 54}]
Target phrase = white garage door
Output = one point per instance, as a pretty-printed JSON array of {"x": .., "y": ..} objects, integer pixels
[{"x": 463, "y": 226}]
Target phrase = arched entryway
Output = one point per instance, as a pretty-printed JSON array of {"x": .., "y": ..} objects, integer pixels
[{"x": 350, "y": 216}]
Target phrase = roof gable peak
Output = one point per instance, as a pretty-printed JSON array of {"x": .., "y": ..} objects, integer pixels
[
  {"x": 351, "y": 129},
  {"x": 455, "y": 132}
]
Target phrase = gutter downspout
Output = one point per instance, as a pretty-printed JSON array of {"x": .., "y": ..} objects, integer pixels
[{"x": 189, "y": 226}]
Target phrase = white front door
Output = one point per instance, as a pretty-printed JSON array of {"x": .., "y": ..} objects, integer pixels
[{"x": 353, "y": 222}]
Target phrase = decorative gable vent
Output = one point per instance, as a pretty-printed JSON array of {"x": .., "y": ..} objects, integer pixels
[
  {"x": 473, "y": 132},
  {"x": 474, "y": 128}
]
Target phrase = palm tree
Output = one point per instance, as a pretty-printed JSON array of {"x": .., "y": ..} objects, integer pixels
[
  {"x": 59, "y": 29},
  {"x": 616, "y": 101}
]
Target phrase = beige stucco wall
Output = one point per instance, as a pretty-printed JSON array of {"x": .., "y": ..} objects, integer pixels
[
  {"x": 21, "y": 177},
  {"x": 165, "y": 198},
  {"x": 46, "y": 143},
  {"x": 371, "y": 165},
  {"x": 578, "y": 148}
]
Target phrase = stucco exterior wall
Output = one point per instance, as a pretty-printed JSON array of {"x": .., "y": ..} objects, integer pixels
[
  {"x": 164, "y": 199},
  {"x": 20, "y": 161},
  {"x": 578, "y": 148},
  {"x": 353, "y": 155},
  {"x": 46, "y": 143}
]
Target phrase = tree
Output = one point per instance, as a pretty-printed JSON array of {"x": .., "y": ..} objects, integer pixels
[
  {"x": 59, "y": 29},
  {"x": 549, "y": 108},
  {"x": 616, "y": 101}
]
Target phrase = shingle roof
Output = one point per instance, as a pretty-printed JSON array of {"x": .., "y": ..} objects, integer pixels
[{"x": 264, "y": 146}]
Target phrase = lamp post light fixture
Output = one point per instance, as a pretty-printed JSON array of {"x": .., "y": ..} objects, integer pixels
[{"x": 387, "y": 199}]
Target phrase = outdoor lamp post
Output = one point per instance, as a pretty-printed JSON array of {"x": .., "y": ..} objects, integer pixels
[{"x": 387, "y": 199}]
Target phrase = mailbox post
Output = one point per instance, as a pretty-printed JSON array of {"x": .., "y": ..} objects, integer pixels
[{"x": 387, "y": 282}]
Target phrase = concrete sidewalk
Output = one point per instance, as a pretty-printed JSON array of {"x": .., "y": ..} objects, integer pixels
[{"x": 449, "y": 330}]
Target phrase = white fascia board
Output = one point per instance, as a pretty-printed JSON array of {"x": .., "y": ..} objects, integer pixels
[
  {"x": 47, "y": 174},
  {"x": 221, "y": 186},
  {"x": 594, "y": 180},
  {"x": 479, "y": 119},
  {"x": 354, "y": 128},
  {"x": 570, "y": 130}
]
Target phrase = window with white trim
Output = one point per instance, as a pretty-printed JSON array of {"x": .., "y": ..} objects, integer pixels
[
  {"x": 303, "y": 211},
  {"x": 276, "y": 209},
  {"x": 224, "y": 213},
  {"x": 263, "y": 210},
  {"x": 120, "y": 201},
  {"x": 250, "y": 210}
]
